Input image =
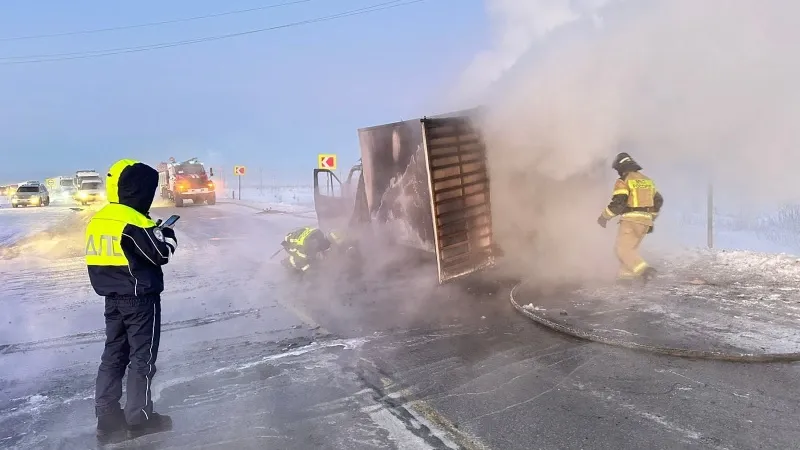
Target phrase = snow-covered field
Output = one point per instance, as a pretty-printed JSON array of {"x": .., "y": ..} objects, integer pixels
[
  {"x": 278, "y": 198},
  {"x": 18, "y": 224}
]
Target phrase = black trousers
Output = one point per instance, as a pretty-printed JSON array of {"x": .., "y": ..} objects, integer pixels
[{"x": 133, "y": 332}]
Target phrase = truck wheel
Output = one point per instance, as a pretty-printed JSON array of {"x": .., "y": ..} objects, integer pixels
[
  {"x": 211, "y": 199},
  {"x": 178, "y": 202}
]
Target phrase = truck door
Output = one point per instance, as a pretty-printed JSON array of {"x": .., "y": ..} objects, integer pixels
[
  {"x": 333, "y": 201},
  {"x": 458, "y": 180}
]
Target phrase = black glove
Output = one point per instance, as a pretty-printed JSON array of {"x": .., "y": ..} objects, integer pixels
[
  {"x": 602, "y": 221},
  {"x": 170, "y": 239},
  {"x": 650, "y": 230}
]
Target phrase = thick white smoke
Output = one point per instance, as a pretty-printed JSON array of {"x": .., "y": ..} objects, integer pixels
[
  {"x": 518, "y": 26},
  {"x": 699, "y": 90}
]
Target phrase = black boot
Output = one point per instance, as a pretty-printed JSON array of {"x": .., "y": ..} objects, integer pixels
[
  {"x": 155, "y": 424},
  {"x": 111, "y": 428},
  {"x": 648, "y": 275},
  {"x": 625, "y": 282}
]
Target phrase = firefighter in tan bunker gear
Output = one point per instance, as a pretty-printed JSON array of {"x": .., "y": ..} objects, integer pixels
[{"x": 637, "y": 202}]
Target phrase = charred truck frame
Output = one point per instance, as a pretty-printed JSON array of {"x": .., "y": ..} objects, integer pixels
[{"x": 422, "y": 183}]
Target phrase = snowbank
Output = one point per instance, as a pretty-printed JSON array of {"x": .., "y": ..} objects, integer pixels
[{"x": 51, "y": 233}]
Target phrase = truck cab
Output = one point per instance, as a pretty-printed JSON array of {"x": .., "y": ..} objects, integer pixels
[
  {"x": 420, "y": 183},
  {"x": 66, "y": 187},
  {"x": 187, "y": 180},
  {"x": 90, "y": 191}
]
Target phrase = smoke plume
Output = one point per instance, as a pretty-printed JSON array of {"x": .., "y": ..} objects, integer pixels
[{"x": 697, "y": 91}]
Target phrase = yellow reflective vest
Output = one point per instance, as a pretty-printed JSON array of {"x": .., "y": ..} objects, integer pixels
[
  {"x": 124, "y": 252},
  {"x": 635, "y": 198}
]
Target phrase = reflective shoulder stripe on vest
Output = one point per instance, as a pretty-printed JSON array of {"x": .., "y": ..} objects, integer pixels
[
  {"x": 302, "y": 238},
  {"x": 104, "y": 232}
]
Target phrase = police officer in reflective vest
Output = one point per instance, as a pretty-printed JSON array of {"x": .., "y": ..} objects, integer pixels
[
  {"x": 125, "y": 250},
  {"x": 637, "y": 202}
]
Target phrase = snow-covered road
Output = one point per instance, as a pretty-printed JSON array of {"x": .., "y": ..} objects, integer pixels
[
  {"x": 17, "y": 223},
  {"x": 250, "y": 360},
  {"x": 231, "y": 335}
]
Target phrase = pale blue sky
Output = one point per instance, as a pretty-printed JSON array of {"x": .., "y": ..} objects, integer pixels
[{"x": 271, "y": 100}]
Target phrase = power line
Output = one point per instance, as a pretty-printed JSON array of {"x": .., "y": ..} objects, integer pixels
[
  {"x": 32, "y": 59},
  {"x": 152, "y": 24},
  {"x": 118, "y": 50}
]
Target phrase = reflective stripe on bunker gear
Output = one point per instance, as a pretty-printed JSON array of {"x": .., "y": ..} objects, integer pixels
[
  {"x": 638, "y": 214},
  {"x": 300, "y": 238},
  {"x": 638, "y": 269},
  {"x": 299, "y": 263},
  {"x": 104, "y": 233},
  {"x": 297, "y": 252}
]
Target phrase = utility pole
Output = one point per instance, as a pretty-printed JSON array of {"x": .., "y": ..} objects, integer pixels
[{"x": 710, "y": 218}]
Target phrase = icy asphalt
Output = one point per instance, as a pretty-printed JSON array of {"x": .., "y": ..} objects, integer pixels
[{"x": 251, "y": 360}]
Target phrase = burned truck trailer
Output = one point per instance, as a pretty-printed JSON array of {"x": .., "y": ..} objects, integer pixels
[{"x": 421, "y": 183}]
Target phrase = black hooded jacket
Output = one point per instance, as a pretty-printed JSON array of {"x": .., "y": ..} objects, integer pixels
[{"x": 137, "y": 270}]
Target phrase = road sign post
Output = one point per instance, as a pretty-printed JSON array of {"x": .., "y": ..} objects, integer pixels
[
  {"x": 710, "y": 216},
  {"x": 326, "y": 161},
  {"x": 239, "y": 171}
]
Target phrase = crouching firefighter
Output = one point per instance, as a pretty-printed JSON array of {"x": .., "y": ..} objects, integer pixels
[
  {"x": 637, "y": 202},
  {"x": 125, "y": 250},
  {"x": 306, "y": 246}
]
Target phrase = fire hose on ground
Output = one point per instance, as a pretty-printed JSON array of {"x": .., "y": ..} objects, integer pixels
[{"x": 671, "y": 351}]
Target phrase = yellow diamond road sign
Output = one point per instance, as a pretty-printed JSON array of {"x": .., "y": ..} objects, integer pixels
[{"x": 327, "y": 162}]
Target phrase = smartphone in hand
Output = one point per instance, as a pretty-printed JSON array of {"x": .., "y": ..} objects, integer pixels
[{"x": 170, "y": 222}]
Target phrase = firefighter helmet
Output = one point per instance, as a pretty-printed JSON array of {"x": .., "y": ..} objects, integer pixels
[{"x": 625, "y": 163}]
